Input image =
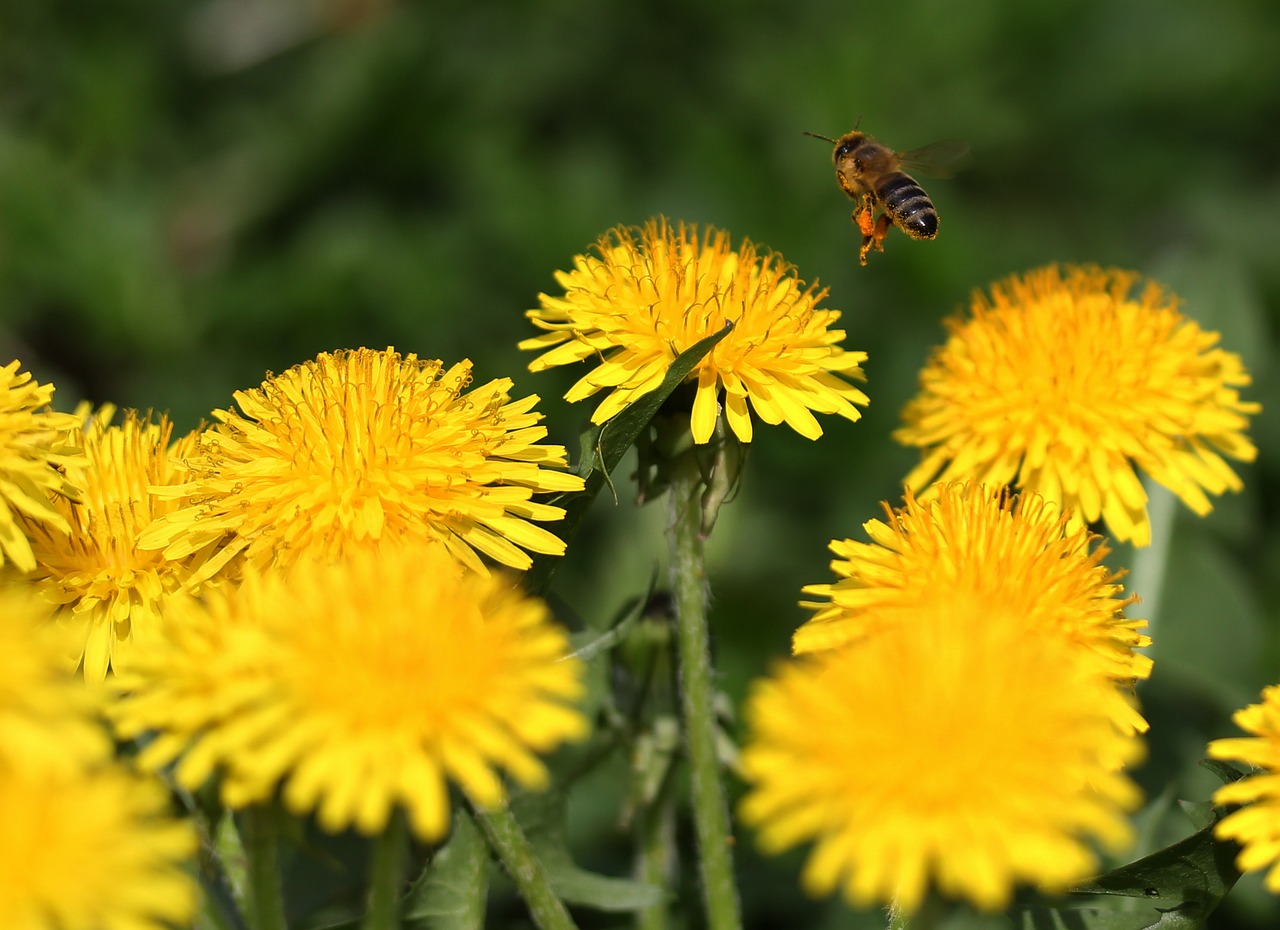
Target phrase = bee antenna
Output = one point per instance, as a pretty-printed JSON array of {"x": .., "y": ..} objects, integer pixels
[
  {"x": 858, "y": 123},
  {"x": 816, "y": 136}
]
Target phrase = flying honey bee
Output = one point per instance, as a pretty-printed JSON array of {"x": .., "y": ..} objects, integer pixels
[{"x": 871, "y": 173}]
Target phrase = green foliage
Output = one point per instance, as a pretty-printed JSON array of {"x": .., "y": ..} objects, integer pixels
[
  {"x": 450, "y": 894},
  {"x": 1179, "y": 886},
  {"x": 543, "y": 817},
  {"x": 602, "y": 447}
]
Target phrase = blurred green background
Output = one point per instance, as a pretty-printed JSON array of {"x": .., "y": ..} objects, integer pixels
[{"x": 194, "y": 193}]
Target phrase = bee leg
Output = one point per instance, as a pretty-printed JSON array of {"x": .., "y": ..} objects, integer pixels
[
  {"x": 881, "y": 230},
  {"x": 873, "y": 237},
  {"x": 863, "y": 217}
]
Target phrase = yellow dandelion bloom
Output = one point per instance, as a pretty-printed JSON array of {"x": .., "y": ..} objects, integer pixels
[
  {"x": 1011, "y": 553},
  {"x": 1256, "y": 825},
  {"x": 364, "y": 447},
  {"x": 646, "y": 295},
  {"x": 91, "y": 850},
  {"x": 957, "y": 751},
  {"x": 358, "y": 686},
  {"x": 37, "y": 445},
  {"x": 100, "y": 582},
  {"x": 48, "y": 719},
  {"x": 1067, "y": 382}
]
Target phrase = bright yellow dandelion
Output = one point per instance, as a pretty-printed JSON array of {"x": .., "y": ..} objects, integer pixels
[
  {"x": 957, "y": 752},
  {"x": 48, "y": 719},
  {"x": 37, "y": 446},
  {"x": 357, "y": 686},
  {"x": 100, "y": 583},
  {"x": 1068, "y": 382},
  {"x": 646, "y": 295},
  {"x": 360, "y": 448},
  {"x": 91, "y": 850},
  {"x": 1011, "y": 553},
  {"x": 1256, "y": 825}
]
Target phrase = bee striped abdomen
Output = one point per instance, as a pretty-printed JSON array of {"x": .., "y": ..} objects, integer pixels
[{"x": 908, "y": 205}]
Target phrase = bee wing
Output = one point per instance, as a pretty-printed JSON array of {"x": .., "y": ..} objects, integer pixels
[{"x": 939, "y": 160}]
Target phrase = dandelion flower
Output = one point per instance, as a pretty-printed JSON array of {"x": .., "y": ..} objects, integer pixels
[
  {"x": 36, "y": 447},
  {"x": 365, "y": 447},
  {"x": 103, "y": 585},
  {"x": 646, "y": 295},
  {"x": 957, "y": 751},
  {"x": 1068, "y": 382},
  {"x": 48, "y": 719},
  {"x": 1256, "y": 825},
  {"x": 357, "y": 686},
  {"x": 91, "y": 850},
  {"x": 1011, "y": 553}
]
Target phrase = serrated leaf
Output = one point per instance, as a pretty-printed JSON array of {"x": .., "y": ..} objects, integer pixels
[
  {"x": 1197, "y": 871},
  {"x": 450, "y": 895},
  {"x": 588, "y": 644},
  {"x": 1200, "y": 813},
  {"x": 1227, "y": 773},
  {"x": 1094, "y": 918},
  {"x": 603, "y": 447},
  {"x": 542, "y": 817},
  {"x": 1181, "y": 883}
]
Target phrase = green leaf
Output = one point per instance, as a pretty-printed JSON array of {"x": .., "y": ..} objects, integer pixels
[
  {"x": 542, "y": 816},
  {"x": 450, "y": 894},
  {"x": 1227, "y": 773},
  {"x": 587, "y": 645},
  {"x": 1093, "y": 918},
  {"x": 603, "y": 447},
  {"x": 1198, "y": 870},
  {"x": 1182, "y": 883}
]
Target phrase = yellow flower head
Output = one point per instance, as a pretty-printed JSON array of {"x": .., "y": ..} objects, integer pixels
[
  {"x": 1066, "y": 382},
  {"x": 357, "y": 686},
  {"x": 48, "y": 719},
  {"x": 646, "y": 295},
  {"x": 361, "y": 448},
  {"x": 91, "y": 850},
  {"x": 990, "y": 549},
  {"x": 37, "y": 446},
  {"x": 84, "y": 845},
  {"x": 957, "y": 750},
  {"x": 104, "y": 586},
  {"x": 1256, "y": 825}
]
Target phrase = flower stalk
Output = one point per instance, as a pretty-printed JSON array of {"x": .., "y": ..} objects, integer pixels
[
  {"x": 386, "y": 875},
  {"x": 697, "y": 694},
  {"x": 261, "y": 840},
  {"x": 505, "y": 837}
]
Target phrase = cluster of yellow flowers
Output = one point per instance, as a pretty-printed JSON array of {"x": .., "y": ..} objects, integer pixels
[
  {"x": 314, "y": 595},
  {"x": 67, "y": 806},
  {"x": 292, "y": 597},
  {"x": 960, "y": 712}
]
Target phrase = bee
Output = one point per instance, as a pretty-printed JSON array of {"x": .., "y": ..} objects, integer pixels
[{"x": 871, "y": 173}]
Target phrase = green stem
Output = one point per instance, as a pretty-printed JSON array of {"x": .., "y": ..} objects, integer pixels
[
  {"x": 505, "y": 838},
  {"x": 386, "y": 875},
  {"x": 697, "y": 696},
  {"x": 260, "y": 837},
  {"x": 898, "y": 918},
  {"x": 219, "y": 908},
  {"x": 656, "y": 855},
  {"x": 929, "y": 915}
]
